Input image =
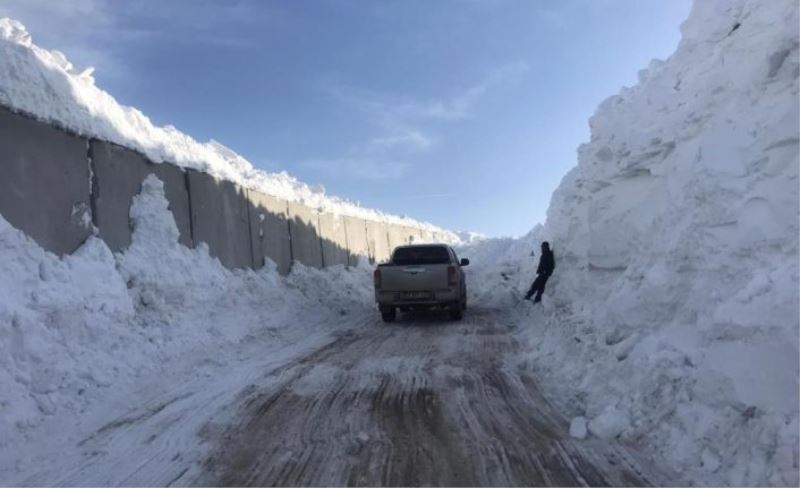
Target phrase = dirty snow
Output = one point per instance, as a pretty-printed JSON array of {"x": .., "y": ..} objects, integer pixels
[{"x": 44, "y": 84}]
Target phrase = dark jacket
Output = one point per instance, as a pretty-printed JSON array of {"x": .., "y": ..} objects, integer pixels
[{"x": 547, "y": 263}]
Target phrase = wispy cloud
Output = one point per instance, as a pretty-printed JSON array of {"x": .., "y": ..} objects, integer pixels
[
  {"x": 72, "y": 27},
  {"x": 404, "y": 123},
  {"x": 358, "y": 168},
  {"x": 462, "y": 104},
  {"x": 407, "y": 140},
  {"x": 392, "y": 110},
  {"x": 93, "y": 32},
  {"x": 206, "y": 22},
  {"x": 428, "y": 196}
]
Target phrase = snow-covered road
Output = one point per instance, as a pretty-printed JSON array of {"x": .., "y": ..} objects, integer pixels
[{"x": 423, "y": 401}]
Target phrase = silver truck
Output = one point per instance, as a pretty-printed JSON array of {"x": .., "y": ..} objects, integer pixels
[{"x": 420, "y": 277}]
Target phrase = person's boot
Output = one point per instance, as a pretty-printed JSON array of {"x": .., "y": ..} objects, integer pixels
[{"x": 537, "y": 299}]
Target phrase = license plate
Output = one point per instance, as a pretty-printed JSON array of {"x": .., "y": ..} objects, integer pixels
[{"x": 416, "y": 295}]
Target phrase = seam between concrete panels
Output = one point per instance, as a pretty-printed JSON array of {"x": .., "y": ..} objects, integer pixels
[
  {"x": 289, "y": 233},
  {"x": 94, "y": 182},
  {"x": 191, "y": 213},
  {"x": 371, "y": 244},
  {"x": 346, "y": 240},
  {"x": 250, "y": 232},
  {"x": 388, "y": 242},
  {"x": 319, "y": 238}
]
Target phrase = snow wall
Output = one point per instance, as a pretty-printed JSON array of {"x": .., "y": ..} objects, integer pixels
[
  {"x": 60, "y": 188},
  {"x": 672, "y": 318}
]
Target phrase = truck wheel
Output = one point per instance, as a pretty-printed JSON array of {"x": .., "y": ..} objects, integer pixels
[
  {"x": 388, "y": 315},
  {"x": 456, "y": 313}
]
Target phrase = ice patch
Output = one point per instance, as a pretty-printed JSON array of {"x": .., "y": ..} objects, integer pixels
[
  {"x": 609, "y": 424},
  {"x": 577, "y": 428}
]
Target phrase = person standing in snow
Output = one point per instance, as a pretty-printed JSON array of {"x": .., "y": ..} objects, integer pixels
[{"x": 547, "y": 263}]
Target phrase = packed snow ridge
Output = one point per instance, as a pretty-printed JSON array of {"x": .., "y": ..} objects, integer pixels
[
  {"x": 676, "y": 236},
  {"x": 44, "y": 84}
]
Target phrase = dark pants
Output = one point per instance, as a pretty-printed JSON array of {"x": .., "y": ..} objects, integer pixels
[{"x": 537, "y": 287}]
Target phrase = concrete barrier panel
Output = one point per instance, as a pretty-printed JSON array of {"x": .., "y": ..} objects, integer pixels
[
  {"x": 378, "y": 239},
  {"x": 357, "y": 244},
  {"x": 304, "y": 228},
  {"x": 118, "y": 174},
  {"x": 398, "y": 236},
  {"x": 220, "y": 218},
  {"x": 441, "y": 237},
  {"x": 414, "y": 234},
  {"x": 269, "y": 230},
  {"x": 334, "y": 240},
  {"x": 44, "y": 188}
]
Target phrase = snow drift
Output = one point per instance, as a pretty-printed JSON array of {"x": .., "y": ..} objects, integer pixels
[
  {"x": 45, "y": 85},
  {"x": 78, "y": 333},
  {"x": 673, "y": 314}
]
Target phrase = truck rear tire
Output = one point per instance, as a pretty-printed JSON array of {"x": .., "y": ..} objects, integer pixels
[
  {"x": 457, "y": 313},
  {"x": 389, "y": 314}
]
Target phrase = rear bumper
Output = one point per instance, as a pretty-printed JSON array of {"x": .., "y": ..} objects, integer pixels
[{"x": 397, "y": 299}]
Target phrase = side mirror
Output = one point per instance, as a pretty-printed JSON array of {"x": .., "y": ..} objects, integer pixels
[{"x": 464, "y": 262}]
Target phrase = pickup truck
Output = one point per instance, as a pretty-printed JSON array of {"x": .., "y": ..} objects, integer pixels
[{"x": 421, "y": 276}]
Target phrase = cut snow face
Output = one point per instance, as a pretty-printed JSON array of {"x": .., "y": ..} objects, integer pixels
[
  {"x": 672, "y": 316},
  {"x": 46, "y": 85}
]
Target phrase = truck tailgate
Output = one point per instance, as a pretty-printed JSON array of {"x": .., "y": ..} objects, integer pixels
[{"x": 414, "y": 278}]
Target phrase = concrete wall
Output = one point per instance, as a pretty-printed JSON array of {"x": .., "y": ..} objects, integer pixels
[
  {"x": 44, "y": 188},
  {"x": 269, "y": 231},
  {"x": 414, "y": 234},
  {"x": 220, "y": 218},
  {"x": 378, "y": 241},
  {"x": 303, "y": 227},
  {"x": 398, "y": 236},
  {"x": 333, "y": 235},
  {"x": 118, "y": 173},
  {"x": 356, "y": 238},
  {"x": 55, "y": 184}
]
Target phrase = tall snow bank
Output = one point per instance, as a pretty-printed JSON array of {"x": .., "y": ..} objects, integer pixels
[
  {"x": 673, "y": 311},
  {"x": 678, "y": 235},
  {"x": 47, "y": 86},
  {"x": 76, "y": 329}
]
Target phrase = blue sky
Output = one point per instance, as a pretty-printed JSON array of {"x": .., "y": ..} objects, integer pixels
[{"x": 465, "y": 113}]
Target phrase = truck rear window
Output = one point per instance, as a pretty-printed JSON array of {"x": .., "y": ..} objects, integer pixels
[{"x": 405, "y": 256}]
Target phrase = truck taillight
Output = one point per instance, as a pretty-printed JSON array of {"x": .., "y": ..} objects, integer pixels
[
  {"x": 451, "y": 276},
  {"x": 377, "y": 276}
]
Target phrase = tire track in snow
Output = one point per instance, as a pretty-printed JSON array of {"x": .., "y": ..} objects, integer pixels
[
  {"x": 155, "y": 442},
  {"x": 423, "y": 401}
]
